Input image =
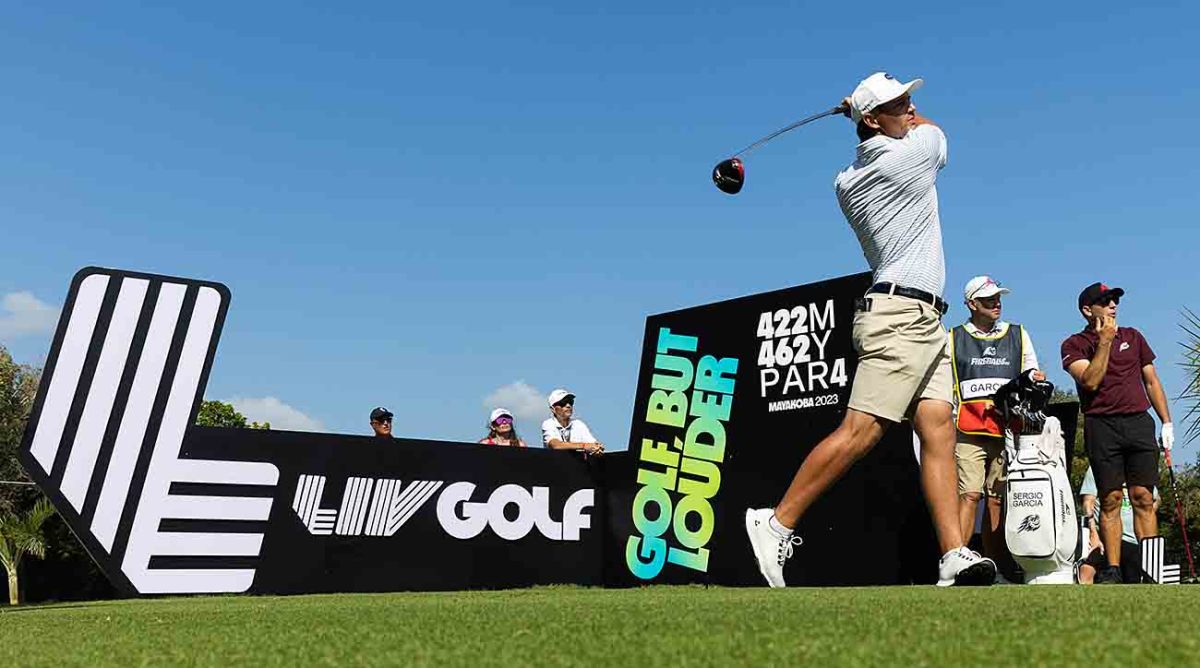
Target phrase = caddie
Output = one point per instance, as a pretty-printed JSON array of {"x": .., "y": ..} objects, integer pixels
[{"x": 987, "y": 353}]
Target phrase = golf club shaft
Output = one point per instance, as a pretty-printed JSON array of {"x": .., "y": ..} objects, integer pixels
[
  {"x": 1187, "y": 548},
  {"x": 836, "y": 110}
]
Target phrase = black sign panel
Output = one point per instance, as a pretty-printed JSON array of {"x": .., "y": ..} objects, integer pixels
[
  {"x": 165, "y": 507},
  {"x": 731, "y": 397}
]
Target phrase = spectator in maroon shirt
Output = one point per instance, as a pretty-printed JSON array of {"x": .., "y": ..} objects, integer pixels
[{"x": 1113, "y": 368}]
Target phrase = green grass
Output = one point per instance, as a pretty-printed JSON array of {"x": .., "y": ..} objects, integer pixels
[{"x": 656, "y": 626}]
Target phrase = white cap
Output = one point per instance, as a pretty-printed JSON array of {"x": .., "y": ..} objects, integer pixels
[
  {"x": 558, "y": 395},
  {"x": 982, "y": 287},
  {"x": 497, "y": 413},
  {"x": 879, "y": 88}
]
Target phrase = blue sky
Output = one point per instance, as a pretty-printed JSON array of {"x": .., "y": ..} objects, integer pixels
[{"x": 419, "y": 205}]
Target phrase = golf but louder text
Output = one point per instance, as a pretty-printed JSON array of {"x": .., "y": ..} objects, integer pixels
[{"x": 679, "y": 474}]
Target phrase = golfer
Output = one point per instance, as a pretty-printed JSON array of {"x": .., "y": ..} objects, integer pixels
[
  {"x": 889, "y": 199},
  {"x": 1113, "y": 368}
]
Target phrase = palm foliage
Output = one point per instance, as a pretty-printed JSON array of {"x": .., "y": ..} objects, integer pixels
[
  {"x": 1191, "y": 366},
  {"x": 21, "y": 535}
]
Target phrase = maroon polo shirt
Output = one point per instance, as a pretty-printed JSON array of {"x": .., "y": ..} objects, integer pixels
[{"x": 1122, "y": 389}]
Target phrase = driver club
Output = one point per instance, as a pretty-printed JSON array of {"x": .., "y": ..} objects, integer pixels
[{"x": 730, "y": 174}]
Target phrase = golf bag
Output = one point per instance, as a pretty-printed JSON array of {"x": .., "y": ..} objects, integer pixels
[{"x": 1040, "y": 526}]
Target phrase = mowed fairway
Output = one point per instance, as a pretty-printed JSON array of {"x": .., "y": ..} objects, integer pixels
[{"x": 656, "y": 626}]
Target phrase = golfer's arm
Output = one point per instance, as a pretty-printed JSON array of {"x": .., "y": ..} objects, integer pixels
[
  {"x": 1154, "y": 390},
  {"x": 556, "y": 444},
  {"x": 1089, "y": 373}
]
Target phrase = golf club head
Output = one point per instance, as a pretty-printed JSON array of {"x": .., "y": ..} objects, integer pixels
[{"x": 729, "y": 175}]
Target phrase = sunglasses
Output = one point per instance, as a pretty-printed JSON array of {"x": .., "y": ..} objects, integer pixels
[
  {"x": 1105, "y": 301},
  {"x": 564, "y": 403},
  {"x": 895, "y": 107},
  {"x": 383, "y": 421},
  {"x": 503, "y": 420}
]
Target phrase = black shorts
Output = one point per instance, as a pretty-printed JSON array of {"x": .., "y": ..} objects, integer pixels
[
  {"x": 1122, "y": 450},
  {"x": 1131, "y": 562}
]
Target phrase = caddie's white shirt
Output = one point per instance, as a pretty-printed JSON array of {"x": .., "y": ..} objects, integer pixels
[
  {"x": 576, "y": 431},
  {"x": 1029, "y": 358},
  {"x": 890, "y": 200}
]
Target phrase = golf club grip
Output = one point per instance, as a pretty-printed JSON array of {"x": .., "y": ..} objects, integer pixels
[{"x": 836, "y": 110}]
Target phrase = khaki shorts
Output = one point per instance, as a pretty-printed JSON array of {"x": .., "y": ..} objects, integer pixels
[
  {"x": 980, "y": 464},
  {"x": 902, "y": 357}
]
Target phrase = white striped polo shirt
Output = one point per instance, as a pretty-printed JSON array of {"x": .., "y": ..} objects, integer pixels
[{"x": 889, "y": 198}]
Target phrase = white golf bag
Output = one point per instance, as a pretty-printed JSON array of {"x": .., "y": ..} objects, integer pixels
[{"x": 1040, "y": 526}]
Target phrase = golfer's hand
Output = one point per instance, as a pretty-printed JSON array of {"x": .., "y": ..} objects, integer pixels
[
  {"x": 1106, "y": 328},
  {"x": 1167, "y": 436},
  {"x": 845, "y": 107},
  {"x": 1037, "y": 375},
  {"x": 593, "y": 448}
]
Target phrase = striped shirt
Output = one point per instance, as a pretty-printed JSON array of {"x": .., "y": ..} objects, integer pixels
[{"x": 889, "y": 198}]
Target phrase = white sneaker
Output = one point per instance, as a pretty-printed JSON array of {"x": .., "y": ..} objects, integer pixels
[
  {"x": 965, "y": 568},
  {"x": 771, "y": 549}
]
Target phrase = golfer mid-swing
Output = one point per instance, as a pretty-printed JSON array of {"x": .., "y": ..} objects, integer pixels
[{"x": 889, "y": 199}]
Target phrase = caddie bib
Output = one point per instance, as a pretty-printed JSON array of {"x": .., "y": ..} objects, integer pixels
[{"x": 982, "y": 366}]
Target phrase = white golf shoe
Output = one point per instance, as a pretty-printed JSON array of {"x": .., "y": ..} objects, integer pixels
[
  {"x": 965, "y": 568},
  {"x": 771, "y": 549}
]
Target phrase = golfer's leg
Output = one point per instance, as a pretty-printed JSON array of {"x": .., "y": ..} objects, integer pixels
[
  {"x": 1145, "y": 524},
  {"x": 828, "y": 462},
  {"x": 1110, "y": 525},
  {"x": 939, "y": 474},
  {"x": 1141, "y": 473}
]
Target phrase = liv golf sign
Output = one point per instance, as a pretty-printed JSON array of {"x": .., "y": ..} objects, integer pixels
[{"x": 165, "y": 507}]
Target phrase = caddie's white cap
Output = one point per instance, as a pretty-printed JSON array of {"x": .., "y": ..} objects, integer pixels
[
  {"x": 499, "y": 412},
  {"x": 558, "y": 395},
  {"x": 879, "y": 88},
  {"x": 982, "y": 287}
]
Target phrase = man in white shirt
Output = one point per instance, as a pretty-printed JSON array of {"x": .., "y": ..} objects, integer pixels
[
  {"x": 564, "y": 431},
  {"x": 889, "y": 198},
  {"x": 987, "y": 353}
]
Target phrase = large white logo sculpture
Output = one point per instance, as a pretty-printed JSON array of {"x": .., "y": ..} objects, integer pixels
[{"x": 120, "y": 388}]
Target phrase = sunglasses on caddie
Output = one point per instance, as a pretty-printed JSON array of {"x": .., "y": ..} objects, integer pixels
[{"x": 564, "y": 403}]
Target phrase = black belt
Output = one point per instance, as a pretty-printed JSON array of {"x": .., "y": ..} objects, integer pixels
[{"x": 912, "y": 293}]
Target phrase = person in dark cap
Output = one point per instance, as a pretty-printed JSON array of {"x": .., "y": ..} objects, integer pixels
[
  {"x": 381, "y": 422},
  {"x": 1113, "y": 368}
]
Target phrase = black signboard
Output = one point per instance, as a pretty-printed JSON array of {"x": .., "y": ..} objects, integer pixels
[
  {"x": 731, "y": 397},
  {"x": 166, "y": 507}
]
